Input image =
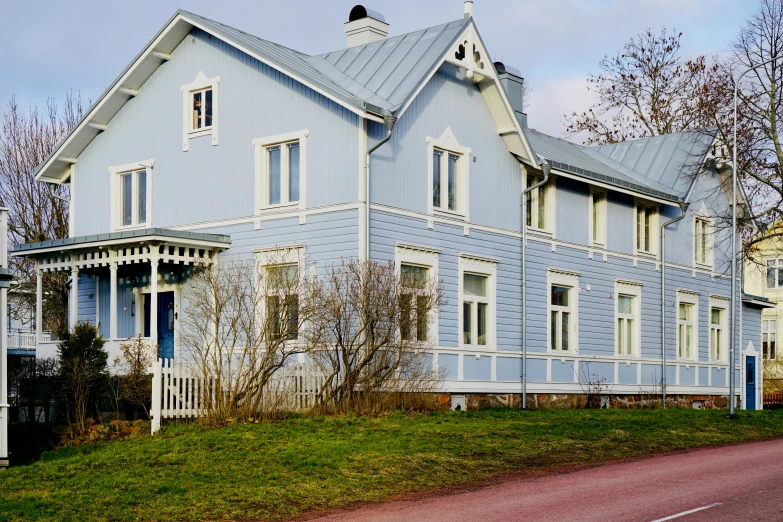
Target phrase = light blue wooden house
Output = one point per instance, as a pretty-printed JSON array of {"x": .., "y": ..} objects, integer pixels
[{"x": 414, "y": 149}]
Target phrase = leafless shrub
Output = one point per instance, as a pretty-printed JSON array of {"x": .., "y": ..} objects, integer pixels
[
  {"x": 241, "y": 324},
  {"x": 371, "y": 335},
  {"x": 132, "y": 373},
  {"x": 593, "y": 385}
]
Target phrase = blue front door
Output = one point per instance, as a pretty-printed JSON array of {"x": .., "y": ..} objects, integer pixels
[
  {"x": 750, "y": 383},
  {"x": 166, "y": 324}
]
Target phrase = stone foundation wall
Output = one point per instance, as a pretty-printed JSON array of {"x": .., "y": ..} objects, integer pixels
[{"x": 478, "y": 401}]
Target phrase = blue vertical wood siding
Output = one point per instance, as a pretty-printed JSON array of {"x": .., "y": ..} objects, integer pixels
[
  {"x": 509, "y": 369},
  {"x": 208, "y": 182},
  {"x": 562, "y": 370},
  {"x": 627, "y": 374},
  {"x": 476, "y": 369},
  {"x": 448, "y": 366}
]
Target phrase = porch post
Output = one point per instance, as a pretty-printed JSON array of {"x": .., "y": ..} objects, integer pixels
[
  {"x": 74, "y": 315},
  {"x": 154, "y": 299},
  {"x": 113, "y": 300},
  {"x": 38, "y": 305}
]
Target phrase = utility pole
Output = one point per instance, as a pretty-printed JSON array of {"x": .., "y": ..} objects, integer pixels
[{"x": 5, "y": 283}]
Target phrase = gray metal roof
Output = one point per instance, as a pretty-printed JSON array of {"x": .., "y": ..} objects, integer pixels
[
  {"x": 387, "y": 72},
  {"x": 129, "y": 235},
  {"x": 581, "y": 161},
  {"x": 669, "y": 160}
]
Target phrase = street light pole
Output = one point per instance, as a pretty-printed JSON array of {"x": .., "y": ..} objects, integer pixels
[{"x": 733, "y": 306}]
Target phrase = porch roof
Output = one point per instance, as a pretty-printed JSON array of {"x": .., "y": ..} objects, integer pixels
[{"x": 125, "y": 237}]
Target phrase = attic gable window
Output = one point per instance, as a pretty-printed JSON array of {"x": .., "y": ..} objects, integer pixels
[
  {"x": 702, "y": 241},
  {"x": 448, "y": 168},
  {"x": 200, "y": 109},
  {"x": 646, "y": 225}
]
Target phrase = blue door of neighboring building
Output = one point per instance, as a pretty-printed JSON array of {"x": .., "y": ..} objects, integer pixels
[
  {"x": 750, "y": 382},
  {"x": 165, "y": 323}
]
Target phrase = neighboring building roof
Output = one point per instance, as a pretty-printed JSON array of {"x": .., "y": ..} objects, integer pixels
[
  {"x": 584, "y": 162},
  {"x": 146, "y": 234},
  {"x": 670, "y": 159},
  {"x": 757, "y": 301},
  {"x": 387, "y": 73}
]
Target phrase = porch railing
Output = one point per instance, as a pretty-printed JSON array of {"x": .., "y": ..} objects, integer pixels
[
  {"x": 182, "y": 392},
  {"x": 22, "y": 339}
]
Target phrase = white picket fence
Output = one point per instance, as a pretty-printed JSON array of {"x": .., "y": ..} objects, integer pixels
[{"x": 182, "y": 392}]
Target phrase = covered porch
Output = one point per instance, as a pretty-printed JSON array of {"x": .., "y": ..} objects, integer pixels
[{"x": 125, "y": 283}]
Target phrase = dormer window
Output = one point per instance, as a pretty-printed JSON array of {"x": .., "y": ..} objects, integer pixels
[{"x": 200, "y": 109}]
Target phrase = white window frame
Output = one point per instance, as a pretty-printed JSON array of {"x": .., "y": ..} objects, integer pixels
[
  {"x": 633, "y": 290},
  {"x": 447, "y": 143},
  {"x": 777, "y": 266},
  {"x": 200, "y": 83},
  {"x": 692, "y": 299},
  {"x": 485, "y": 267},
  {"x": 599, "y": 241},
  {"x": 722, "y": 304},
  {"x": 426, "y": 257},
  {"x": 277, "y": 256},
  {"x": 116, "y": 195},
  {"x": 549, "y": 203},
  {"x": 260, "y": 146},
  {"x": 766, "y": 323},
  {"x": 568, "y": 279},
  {"x": 709, "y": 231},
  {"x": 639, "y": 204}
]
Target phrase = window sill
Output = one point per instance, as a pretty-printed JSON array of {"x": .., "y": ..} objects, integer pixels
[
  {"x": 200, "y": 132},
  {"x": 598, "y": 246},
  {"x": 703, "y": 266},
  {"x": 140, "y": 226},
  {"x": 272, "y": 209},
  {"x": 477, "y": 347},
  {"x": 452, "y": 214},
  {"x": 540, "y": 231},
  {"x": 647, "y": 255}
]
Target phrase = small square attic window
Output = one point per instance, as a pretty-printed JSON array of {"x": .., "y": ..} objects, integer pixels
[{"x": 200, "y": 109}]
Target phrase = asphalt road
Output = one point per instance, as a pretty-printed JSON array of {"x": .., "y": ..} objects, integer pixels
[{"x": 743, "y": 482}]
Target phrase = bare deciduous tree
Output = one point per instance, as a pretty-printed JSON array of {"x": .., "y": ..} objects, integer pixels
[
  {"x": 35, "y": 214},
  {"x": 242, "y": 323},
  {"x": 371, "y": 331},
  {"x": 647, "y": 89}
]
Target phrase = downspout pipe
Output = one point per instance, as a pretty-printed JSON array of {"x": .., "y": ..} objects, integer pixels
[
  {"x": 52, "y": 188},
  {"x": 683, "y": 212},
  {"x": 545, "y": 168},
  {"x": 390, "y": 120}
]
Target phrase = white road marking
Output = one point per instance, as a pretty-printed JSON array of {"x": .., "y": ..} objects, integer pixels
[{"x": 682, "y": 514}]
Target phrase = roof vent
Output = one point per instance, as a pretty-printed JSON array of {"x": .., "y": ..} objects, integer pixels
[{"x": 365, "y": 26}]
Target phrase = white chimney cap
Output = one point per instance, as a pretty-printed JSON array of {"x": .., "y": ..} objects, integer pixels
[
  {"x": 468, "y": 8},
  {"x": 365, "y": 26}
]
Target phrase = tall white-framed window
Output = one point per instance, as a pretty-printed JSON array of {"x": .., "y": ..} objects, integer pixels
[
  {"x": 537, "y": 204},
  {"x": 702, "y": 241},
  {"x": 769, "y": 334},
  {"x": 478, "y": 301},
  {"x": 719, "y": 337},
  {"x": 563, "y": 311},
  {"x": 448, "y": 166},
  {"x": 597, "y": 217},
  {"x": 200, "y": 109},
  {"x": 628, "y": 302},
  {"x": 131, "y": 195},
  {"x": 687, "y": 326},
  {"x": 774, "y": 273},
  {"x": 281, "y": 170},
  {"x": 417, "y": 267},
  {"x": 646, "y": 225},
  {"x": 281, "y": 274}
]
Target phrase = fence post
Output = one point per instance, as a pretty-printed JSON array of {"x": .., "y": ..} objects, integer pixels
[{"x": 157, "y": 382}]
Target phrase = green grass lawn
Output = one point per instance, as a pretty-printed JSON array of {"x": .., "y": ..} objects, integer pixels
[{"x": 280, "y": 470}]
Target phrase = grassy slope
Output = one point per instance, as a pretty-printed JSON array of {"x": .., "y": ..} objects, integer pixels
[{"x": 279, "y": 470}]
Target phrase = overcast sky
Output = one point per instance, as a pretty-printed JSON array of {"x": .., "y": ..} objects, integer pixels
[{"x": 50, "y": 48}]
